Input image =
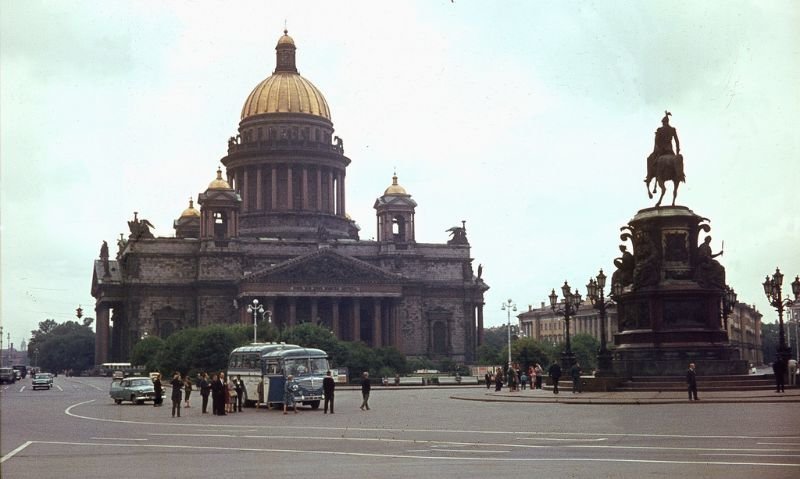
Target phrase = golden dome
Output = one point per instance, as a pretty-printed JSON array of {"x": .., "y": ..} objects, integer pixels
[
  {"x": 219, "y": 183},
  {"x": 285, "y": 91},
  {"x": 190, "y": 211},
  {"x": 394, "y": 188}
]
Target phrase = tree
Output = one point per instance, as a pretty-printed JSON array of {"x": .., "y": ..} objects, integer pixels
[
  {"x": 209, "y": 349},
  {"x": 69, "y": 345},
  {"x": 147, "y": 353},
  {"x": 528, "y": 351},
  {"x": 585, "y": 347},
  {"x": 174, "y": 356},
  {"x": 769, "y": 341}
]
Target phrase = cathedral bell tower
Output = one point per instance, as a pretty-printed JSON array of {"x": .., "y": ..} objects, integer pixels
[
  {"x": 395, "y": 212},
  {"x": 219, "y": 213}
]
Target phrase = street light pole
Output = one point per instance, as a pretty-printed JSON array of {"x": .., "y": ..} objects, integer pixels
[
  {"x": 256, "y": 309},
  {"x": 772, "y": 288},
  {"x": 595, "y": 286},
  {"x": 509, "y": 306},
  {"x": 572, "y": 302}
]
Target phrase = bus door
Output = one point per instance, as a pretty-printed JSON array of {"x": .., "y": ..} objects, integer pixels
[{"x": 274, "y": 382}]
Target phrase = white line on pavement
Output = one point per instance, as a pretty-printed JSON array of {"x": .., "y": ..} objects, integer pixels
[
  {"x": 22, "y": 389},
  {"x": 306, "y": 452},
  {"x": 117, "y": 439},
  {"x": 59, "y": 387},
  {"x": 455, "y": 450},
  {"x": 15, "y": 451},
  {"x": 778, "y": 443},
  {"x": 562, "y": 439},
  {"x": 755, "y": 455}
]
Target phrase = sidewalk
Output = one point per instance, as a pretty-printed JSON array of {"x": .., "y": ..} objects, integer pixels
[{"x": 566, "y": 396}]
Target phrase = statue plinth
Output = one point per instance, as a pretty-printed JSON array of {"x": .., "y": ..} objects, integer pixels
[{"x": 669, "y": 311}]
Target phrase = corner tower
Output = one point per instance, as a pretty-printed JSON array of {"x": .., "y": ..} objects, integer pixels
[
  {"x": 395, "y": 212},
  {"x": 284, "y": 162}
]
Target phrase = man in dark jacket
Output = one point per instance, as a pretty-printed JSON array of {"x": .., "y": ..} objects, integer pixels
[
  {"x": 779, "y": 368},
  {"x": 218, "y": 391},
  {"x": 575, "y": 373},
  {"x": 555, "y": 375},
  {"x": 691, "y": 381},
  {"x": 328, "y": 385},
  {"x": 365, "y": 388},
  {"x": 205, "y": 389},
  {"x": 238, "y": 386}
]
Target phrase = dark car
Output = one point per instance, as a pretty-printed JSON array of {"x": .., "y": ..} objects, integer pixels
[{"x": 7, "y": 375}]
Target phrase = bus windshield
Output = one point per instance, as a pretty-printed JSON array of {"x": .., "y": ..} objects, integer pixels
[{"x": 305, "y": 366}]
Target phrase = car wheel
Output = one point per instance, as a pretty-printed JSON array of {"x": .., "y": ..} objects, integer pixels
[
  {"x": 140, "y": 401},
  {"x": 133, "y": 399},
  {"x": 118, "y": 401},
  {"x": 314, "y": 404}
]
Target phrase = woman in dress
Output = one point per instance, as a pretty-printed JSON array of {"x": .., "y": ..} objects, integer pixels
[
  {"x": 177, "y": 389},
  {"x": 288, "y": 395},
  {"x": 158, "y": 390}
]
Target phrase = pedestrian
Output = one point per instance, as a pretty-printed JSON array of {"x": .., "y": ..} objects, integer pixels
[
  {"x": 488, "y": 378},
  {"x": 328, "y": 386},
  {"x": 177, "y": 388},
  {"x": 205, "y": 390},
  {"x": 498, "y": 381},
  {"x": 230, "y": 396},
  {"x": 238, "y": 385},
  {"x": 575, "y": 373},
  {"x": 779, "y": 369},
  {"x": 218, "y": 392},
  {"x": 288, "y": 394},
  {"x": 539, "y": 375},
  {"x": 512, "y": 379},
  {"x": 523, "y": 381},
  {"x": 691, "y": 381},
  {"x": 159, "y": 391},
  {"x": 555, "y": 375},
  {"x": 187, "y": 390},
  {"x": 792, "y": 372},
  {"x": 365, "y": 388},
  {"x": 260, "y": 391}
]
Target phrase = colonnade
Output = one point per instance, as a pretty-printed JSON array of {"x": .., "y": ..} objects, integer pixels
[{"x": 290, "y": 186}]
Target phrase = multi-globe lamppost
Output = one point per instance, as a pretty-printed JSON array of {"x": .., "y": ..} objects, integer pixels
[
  {"x": 772, "y": 288},
  {"x": 572, "y": 301},
  {"x": 255, "y": 309},
  {"x": 596, "y": 295},
  {"x": 509, "y": 306},
  {"x": 728, "y": 303}
]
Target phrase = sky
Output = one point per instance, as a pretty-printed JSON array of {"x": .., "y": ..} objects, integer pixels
[{"x": 530, "y": 120}]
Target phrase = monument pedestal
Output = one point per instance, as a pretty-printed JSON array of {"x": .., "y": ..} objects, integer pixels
[{"x": 669, "y": 309}]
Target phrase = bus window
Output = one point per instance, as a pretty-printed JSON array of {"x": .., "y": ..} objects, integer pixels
[
  {"x": 319, "y": 365},
  {"x": 272, "y": 367}
]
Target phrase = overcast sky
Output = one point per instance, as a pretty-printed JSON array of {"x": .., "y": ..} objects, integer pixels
[{"x": 530, "y": 120}]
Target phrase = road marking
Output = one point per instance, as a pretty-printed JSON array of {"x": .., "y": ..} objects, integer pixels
[
  {"x": 306, "y": 452},
  {"x": 15, "y": 451},
  {"x": 561, "y": 439},
  {"x": 778, "y": 443},
  {"x": 22, "y": 389},
  {"x": 455, "y": 450},
  {"x": 59, "y": 387},
  {"x": 87, "y": 384},
  {"x": 117, "y": 439},
  {"x": 756, "y": 455}
]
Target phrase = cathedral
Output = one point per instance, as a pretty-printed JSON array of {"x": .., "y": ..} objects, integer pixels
[{"x": 273, "y": 227}]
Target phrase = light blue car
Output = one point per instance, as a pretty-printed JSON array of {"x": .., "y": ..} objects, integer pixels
[{"x": 136, "y": 390}]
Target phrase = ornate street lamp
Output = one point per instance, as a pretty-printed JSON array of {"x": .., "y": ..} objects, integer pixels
[
  {"x": 728, "y": 303},
  {"x": 572, "y": 301},
  {"x": 772, "y": 289},
  {"x": 509, "y": 306},
  {"x": 595, "y": 293},
  {"x": 255, "y": 309}
]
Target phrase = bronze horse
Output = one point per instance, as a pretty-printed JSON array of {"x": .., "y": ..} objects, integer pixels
[{"x": 666, "y": 168}]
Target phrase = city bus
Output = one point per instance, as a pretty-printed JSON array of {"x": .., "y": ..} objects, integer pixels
[
  {"x": 308, "y": 366},
  {"x": 245, "y": 361},
  {"x": 108, "y": 369}
]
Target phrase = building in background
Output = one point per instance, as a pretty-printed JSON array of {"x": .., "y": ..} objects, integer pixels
[
  {"x": 543, "y": 324},
  {"x": 274, "y": 228},
  {"x": 744, "y": 332}
]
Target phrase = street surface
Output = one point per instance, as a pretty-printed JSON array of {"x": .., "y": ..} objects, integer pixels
[{"x": 75, "y": 431}]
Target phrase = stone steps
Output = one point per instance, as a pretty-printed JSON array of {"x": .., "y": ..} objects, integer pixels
[{"x": 753, "y": 382}]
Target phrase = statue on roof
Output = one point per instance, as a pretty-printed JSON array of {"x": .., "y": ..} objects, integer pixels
[
  {"x": 104, "y": 259},
  {"x": 140, "y": 229},
  {"x": 665, "y": 164},
  {"x": 458, "y": 234}
]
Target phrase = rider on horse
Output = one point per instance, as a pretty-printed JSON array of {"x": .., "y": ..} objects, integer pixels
[{"x": 663, "y": 144}]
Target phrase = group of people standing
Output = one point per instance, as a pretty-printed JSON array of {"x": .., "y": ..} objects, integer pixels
[
  {"x": 516, "y": 378},
  {"x": 226, "y": 396}
]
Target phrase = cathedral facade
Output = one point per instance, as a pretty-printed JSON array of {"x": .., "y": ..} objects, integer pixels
[{"x": 274, "y": 228}]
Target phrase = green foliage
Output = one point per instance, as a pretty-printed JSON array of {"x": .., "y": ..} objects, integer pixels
[
  {"x": 174, "y": 356},
  {"x": 392, "y": 359},
  {"x": 361, "y": 358},
  {"x": 528, "y": 351},
  {"x": 147, "y": 353},
  {"x": 69, "y": 345},
  {"x": 415, "y": 364},
  {"x": 210, "y": 348},
  {"x": 585, "y": 347},
  {"x": 769, "y": 341},
  {"x": 489, "y": 355}
]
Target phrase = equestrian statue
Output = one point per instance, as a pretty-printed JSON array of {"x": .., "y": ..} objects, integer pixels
[{"x": 664, "y": 164}]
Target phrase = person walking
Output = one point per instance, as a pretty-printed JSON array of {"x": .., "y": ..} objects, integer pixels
[
  {"x": 792, "y": 372},
  {"x": 205, "y": 390},
  {"x": 575, "y": 373},
  {"x": 555, "y": 375},
  {"x": 288, "y": 394},
  {"x": 158, "y": 389},
  {"x": 365, "y": 388},
  {"x": 498, "y": 381},
  {"x": 238, "y": 385},
  {"x": 177, "y": 389},
  {"x": 328, "y": 386},
  {"x": 691, "y": 381},
  {"x": 779, "y": 370},
  {"x": 488, "y": 378},
  {"x": 187, "y": 390}
]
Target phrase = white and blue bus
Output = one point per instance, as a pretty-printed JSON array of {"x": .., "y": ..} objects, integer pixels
[
  {"x": 307, "y": 365},
  {"x": 245, "y": 361}
]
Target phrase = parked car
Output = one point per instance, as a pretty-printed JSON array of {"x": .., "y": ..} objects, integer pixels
[
  {"x": 7, "y": 375},
  {"x": 134, "y": 389},
  {"x": 42, "y": 381}
]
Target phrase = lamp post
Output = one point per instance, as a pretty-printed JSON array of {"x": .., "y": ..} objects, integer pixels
[
  {"x": 772, "y": 288},
  {"x": 256, "y": 309},
  {"x": 35, "y": 358},
  {"x": 595, "y": 293},
  {"x": 1, "y": 346},
  {"x": 728, "y": 303},
  {"x": 572, "y": 301},
  {"x": 509, "y": 306}
]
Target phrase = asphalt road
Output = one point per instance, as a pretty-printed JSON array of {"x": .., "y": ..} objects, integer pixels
[{"x": 75, "y": 430}]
